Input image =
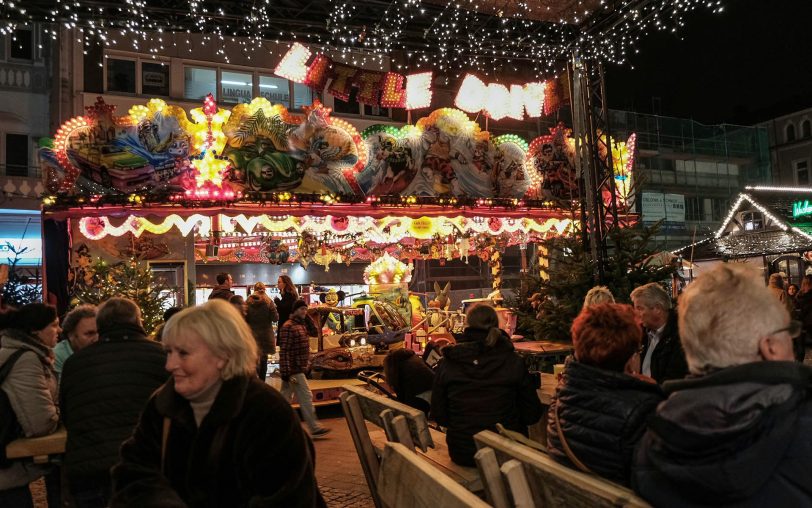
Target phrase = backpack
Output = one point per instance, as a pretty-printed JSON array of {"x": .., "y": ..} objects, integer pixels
[{"x": 9, "y": 426}]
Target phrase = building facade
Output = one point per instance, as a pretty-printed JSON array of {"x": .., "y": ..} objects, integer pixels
[
  {"x": 688, "y": 173},
  {"x": 790, "y": 141}
]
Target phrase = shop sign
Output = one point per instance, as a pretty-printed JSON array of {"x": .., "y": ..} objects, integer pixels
[{"x": 801, "y": 209}]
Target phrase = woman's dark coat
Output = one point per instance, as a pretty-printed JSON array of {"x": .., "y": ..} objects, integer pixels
[
  {"x": 250, "y": 450},
  {"x": 476, "y": 387},
  {"x": 603, "y": 416}
]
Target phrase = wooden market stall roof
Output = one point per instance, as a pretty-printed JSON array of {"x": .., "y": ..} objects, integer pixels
[{"x": 762, "y": 221}]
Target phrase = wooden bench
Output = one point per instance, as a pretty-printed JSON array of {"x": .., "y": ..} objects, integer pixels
[
  {"x": 399, "y": 423},
  {"x": 541, "y": 481},
  {"x": 407, "y": 481},
  {"x": 39, "y": 449}
]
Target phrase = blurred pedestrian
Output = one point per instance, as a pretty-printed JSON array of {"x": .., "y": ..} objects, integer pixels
[
  {"x": 222, "y": 289},
  {"x": 261, "y": 314},
  {"x": 29, "y": 335},
  {"x": 294, "y": 357},
  {"x": 284, "y": 302}
]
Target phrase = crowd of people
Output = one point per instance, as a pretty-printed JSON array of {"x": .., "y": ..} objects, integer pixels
[
  {"x": 179, "y": 418},
  {"x": 702, "y": 402}
]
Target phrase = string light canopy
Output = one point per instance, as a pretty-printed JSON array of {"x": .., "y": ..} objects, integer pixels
[{"x": 529, "y": 37}]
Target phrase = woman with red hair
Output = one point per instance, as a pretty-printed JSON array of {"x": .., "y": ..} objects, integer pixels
[{"x": 600, "y": 408}]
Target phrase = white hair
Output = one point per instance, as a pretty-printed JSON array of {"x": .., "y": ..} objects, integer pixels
[
  {"x": 652, "y": 295},
  {"x": 597, "y": 295},
  {"x": 723, "y": 315}
]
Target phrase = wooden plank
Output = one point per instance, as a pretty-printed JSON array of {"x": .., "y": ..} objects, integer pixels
[
  {"x": 519, "y": 487},
  {"x": 559, "y": 485},
  {"x": 492, "y": 478},
  {"x": 373, "y": 404},
  {"x": 363, "y": 445},
  {"x": 38, "y": 447},
  {"x": 438, "y": 457},
  {"x": 401, "y": 428},
  {"x": 408, "y": 482}
]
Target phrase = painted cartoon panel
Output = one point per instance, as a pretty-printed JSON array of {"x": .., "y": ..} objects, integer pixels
[{"x": 214, "y": 153}]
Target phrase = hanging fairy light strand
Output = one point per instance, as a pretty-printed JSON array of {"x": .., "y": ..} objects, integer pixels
[{"x": 450, "y": 38}]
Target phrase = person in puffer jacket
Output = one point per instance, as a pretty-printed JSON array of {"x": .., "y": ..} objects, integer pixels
[
  {"x": 600, "y": 404},
  {"x": 736, "y": 431},
  {"x": 482, "y": 381}
]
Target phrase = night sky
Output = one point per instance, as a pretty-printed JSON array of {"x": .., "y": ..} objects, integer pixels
[{"x": 750, "y": 63}]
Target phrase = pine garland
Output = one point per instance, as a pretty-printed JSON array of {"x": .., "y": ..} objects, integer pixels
[
  {"x": 570, "y": 274},
  {"x": 18, "y": 290}
]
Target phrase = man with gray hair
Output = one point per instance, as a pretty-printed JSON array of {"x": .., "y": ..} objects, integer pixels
[
  {"x": 104, "y": 387},
  {"x": 662, "y": 357},
  {"x": 736, "y": 433}
]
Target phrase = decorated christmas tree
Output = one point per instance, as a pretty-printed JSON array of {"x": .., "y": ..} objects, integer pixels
[
  {"x": 131, "y": 279},
  {"x": 18, "y": 289},
  {"x": 563, "y": 273}
]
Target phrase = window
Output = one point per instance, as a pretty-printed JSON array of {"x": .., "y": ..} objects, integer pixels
[
  {"x": 22, "y": 44},
  {"x": 199, "y": 82},
  {"x": 752, "y": 221},
  {"x": 236, "y": 87},
  {"x": 375, "y": 111},
  {"x": 801, "y": 172},
  {"x": 720, "y": 208},
  {"x": 303, "y": 95},
  {"x": 16, "y": 155},
  {"x": 120, "y": 75},
  {"x": 693, "y": 208},
  {"x": 154, "y": 78},
  {"x": 350, "y": 106},
  {"x": 806, "y": 129},
  {"x": 276, "y": 90},
  {"x": 789, "y": 133}
]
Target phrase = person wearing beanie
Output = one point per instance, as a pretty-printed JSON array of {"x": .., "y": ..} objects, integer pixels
[
  {"x": 294, "y": 356},
  {"x": 482, "y": 381},
  {"x": 260, "y": 314},
  {"x": 104, "y": 388},
  {"x": 29, "y": 335}
]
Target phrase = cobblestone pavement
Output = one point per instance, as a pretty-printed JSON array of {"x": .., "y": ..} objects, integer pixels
[{"x": 338, "y": 469}]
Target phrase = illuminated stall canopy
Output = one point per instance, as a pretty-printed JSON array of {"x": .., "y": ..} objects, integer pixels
[{"x": 259, "y": 152}]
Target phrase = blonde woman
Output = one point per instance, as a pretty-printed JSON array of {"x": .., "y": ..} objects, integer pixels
[{"x": 214, "y": 435}]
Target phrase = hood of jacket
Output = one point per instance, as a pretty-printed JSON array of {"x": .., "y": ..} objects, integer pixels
[
  {"x": 474, "y": 356},
  {"x": 721, "y": 436},
  {"x": 17, "y": 339}
]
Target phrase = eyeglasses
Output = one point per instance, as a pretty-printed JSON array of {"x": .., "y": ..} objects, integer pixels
[{"x": 794, "y": 329}]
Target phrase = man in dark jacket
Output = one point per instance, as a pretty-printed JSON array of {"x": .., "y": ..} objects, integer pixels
[
  {"x": 103, "y": 389},
  {"x": 480, "y": 382},
  {"x": 294, "y": 356},
  {"x": 735, "y": 433},
  {"x": 662, "y": 357},
  {"x": 223, "y": 288}
]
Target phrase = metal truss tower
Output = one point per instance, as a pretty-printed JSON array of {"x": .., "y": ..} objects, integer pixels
[{"x": 593, "y": 159}]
